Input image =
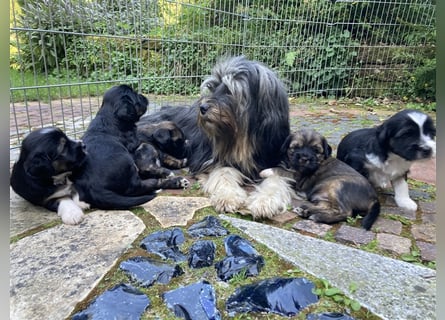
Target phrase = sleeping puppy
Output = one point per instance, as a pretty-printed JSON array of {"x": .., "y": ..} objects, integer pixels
[
  {"x": 110, "y": 178},
  {"x": 384, "y": 154},
  {"x": 334, "y": 190},
  {"x": 168, "y": 139},
  {"x": 148, "y": 160},
  {"x": 42, "y": 172}
]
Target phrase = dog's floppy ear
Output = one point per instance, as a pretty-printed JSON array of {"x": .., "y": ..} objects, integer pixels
[
  {"x": 327, "y": 150},
  {"x": 38, "y": 165},
  {"x": 161, "y": 136},
  {"x": 126, "y": 110}
]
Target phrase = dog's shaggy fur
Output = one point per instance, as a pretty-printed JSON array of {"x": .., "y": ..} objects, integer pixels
[
  {"x": 110, "y": 177},
  {"x": 236, "y": 130},
  {"x": 335, "y": 191},
  {"x": 42, "y": 172},
  {"x": 384, "y": 154}
]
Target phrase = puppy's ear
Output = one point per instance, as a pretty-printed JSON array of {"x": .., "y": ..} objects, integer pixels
[
  {"x": 39, "y": 165},
  {"x": 161, "y": 136},
  {"x": 327, "y": 150},
  {"x": 383, "y": 135},
  {"x": 125, "y": 110}
]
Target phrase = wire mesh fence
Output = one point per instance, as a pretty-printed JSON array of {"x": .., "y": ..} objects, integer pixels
[{"x": 64, "y": 54}]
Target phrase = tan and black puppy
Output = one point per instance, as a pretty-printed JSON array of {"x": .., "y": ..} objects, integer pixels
[
  {"x": 167, "y": 138},
  {"x": 335, "y": 191}
]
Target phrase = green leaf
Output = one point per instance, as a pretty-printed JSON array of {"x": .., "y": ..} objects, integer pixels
[
  {"x": 355, "y": 306},
  {"x": 332, "y": 291},
  {"x": 290, "y": 58},
  {"x": 338, "y": 298}
]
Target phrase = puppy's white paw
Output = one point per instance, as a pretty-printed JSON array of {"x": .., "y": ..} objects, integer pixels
[
  {"x": 406, "y": 203},
  {"x": 70, "y": 212},
  {"x": 184, "y": 183},
  {"x": 267, "y": 173}
]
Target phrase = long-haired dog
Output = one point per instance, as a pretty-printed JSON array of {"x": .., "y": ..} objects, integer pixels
[
  {"x": 335, "y": 191},
  {"x": 43, "y": 171},
  {"x": 236, "y": 130},
  {"x": 384, "y": 154},
  {"x": 110, "y": 177}
]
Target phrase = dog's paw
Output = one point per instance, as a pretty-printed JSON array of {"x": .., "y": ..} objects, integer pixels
[
  {"x": 406, "y": 203},
  {"x": 70, "y": 212},
  {"x": 184, "y": 162},
  {"x": 184, "y": 183},
  {"x": 266, "y": 173},
  {"x": 229, "y": 204},
  {"x": 301, "y": 211}
]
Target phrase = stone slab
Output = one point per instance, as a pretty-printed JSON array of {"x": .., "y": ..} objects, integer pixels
[
  {"x": 172, "y": 211},
  {"x": 390, "y": 288},
  {"x": 393, "y": 243},
  {"x": 52, "y": 270},
  {"x": 24, "y": 216}
]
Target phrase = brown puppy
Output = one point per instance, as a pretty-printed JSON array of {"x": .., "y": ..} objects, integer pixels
[
  {"x": 335, "y": 191},
  {"x": 167, "y": 138}
]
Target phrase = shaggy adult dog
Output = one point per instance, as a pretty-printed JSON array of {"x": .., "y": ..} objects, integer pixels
[
  {"x": 169, "y": 141},
  {"x": 335, "y": 191},
  {"x": 109, "y": 178},
  {"x": 42, "y": 172},
  {"x": 384, "y": 154},
  {"x": 235, "y": 130}
]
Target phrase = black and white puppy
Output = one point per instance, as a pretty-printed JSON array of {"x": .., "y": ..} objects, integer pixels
[
  {"x": 110, "y": 177},
  {"x": 335, "y": 191},
  {"x": 42, "y": 172},
  {"x": 384, "y": 154}
]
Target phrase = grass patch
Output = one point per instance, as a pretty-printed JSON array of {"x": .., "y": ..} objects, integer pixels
[{"x": 51, "y": 87}]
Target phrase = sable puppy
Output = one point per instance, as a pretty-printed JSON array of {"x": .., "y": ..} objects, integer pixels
[
  {"x": 235, "y": 130},
  {"x": 168, "y": 139},
  {"x": 42, "y": 172},
  {"x": 110, "y": 178},
  {"x": 384, "y": 154},
  {"x": 335, "y": 191},
  {"x": 148, "y": 160}
]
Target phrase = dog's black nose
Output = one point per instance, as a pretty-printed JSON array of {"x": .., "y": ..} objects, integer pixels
[{"x": 203, "y": 108}]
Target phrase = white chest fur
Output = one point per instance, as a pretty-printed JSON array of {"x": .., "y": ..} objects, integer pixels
[{"x": 382, "y": 173}]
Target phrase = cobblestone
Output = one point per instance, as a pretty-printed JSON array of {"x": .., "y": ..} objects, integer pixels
[
  {"x": 312, "y": 227},
  {"x": 427, "y": 250},
  {"x": 353, "y": 235},
  {"x": 424, "y": 232},
  {"x": 387, "y": 226},
  {"x": 393, "y": 244}
]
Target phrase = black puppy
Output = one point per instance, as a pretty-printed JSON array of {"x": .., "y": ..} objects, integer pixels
[
  {"x": 42, "y": 173},
  {"x": 110, "y": 179},
  {"x": 384, "y": 154},
  {"x": 169, "y": 140}
]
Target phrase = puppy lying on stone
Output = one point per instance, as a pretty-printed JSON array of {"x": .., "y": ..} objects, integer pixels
[
  {"x": 167, "y": 138},
  {"x": 333, "y": 189}
]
